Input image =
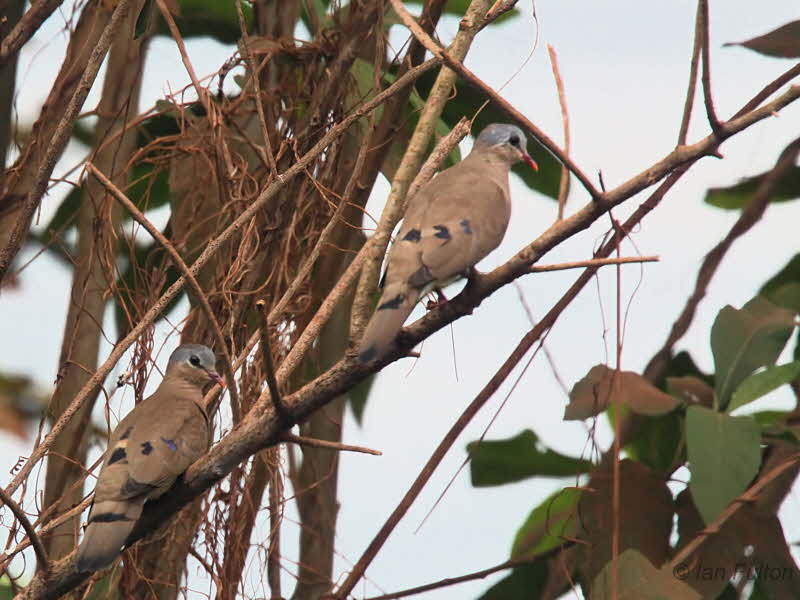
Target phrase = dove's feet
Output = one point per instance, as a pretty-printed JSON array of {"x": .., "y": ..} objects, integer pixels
[{"x": 440, "y": 299}]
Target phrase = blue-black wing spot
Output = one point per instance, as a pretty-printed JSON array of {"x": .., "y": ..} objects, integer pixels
[
  {"x": 116, "y": 456},
  {"x": 465, "y": 226},
  {"x": 442, "y": 232},
  {"x": 393, "y": 303},
  {"x": 413, "y": 235},
  {"x": 147, "y": 448},
  {"x": 170, "y": 444},
  {"x": 109, "y": 518}
]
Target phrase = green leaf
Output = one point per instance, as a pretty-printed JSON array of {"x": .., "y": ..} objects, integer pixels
[
  {"x": 737, "y": 196},
  {"x": 746, "y": 339},
  {"x": 783, "y": 288},
  {"x": 724, "y": 456},
  {"x": 547, "y": 525},
  {"x": 209, "y": 18},
  {"x": 763, "y": 383},
  {"x": 497, "y": 462},
  {"x": 640, "y": 580},
  {"x": 524, "y": 583},
  {"x": 657, "y": 440},
  {"x": 466, "y": 102},
  {"x": 592, "y": 394},
  {"x": 358, "y": 398},
  {"x": 783, "y": 42}
]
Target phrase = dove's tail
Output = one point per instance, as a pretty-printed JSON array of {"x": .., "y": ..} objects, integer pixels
[
  {"x": 396, "y": 303},
  {"x": 109, "y": 525}
]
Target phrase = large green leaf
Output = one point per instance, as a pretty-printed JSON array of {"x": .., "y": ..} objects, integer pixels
[
  {"x": 638, "y": 579},
  {"x": 466, "y": 102},
  {"x": 548, "y": 524},
  {"x": 737, "y": 196},
  {"x": 724, "y": 456},
  {"x": 783, "y": 42},
  {"x": 783, "y": 288},
  {"x": 496, "y": 462},
  {"x": 743, "y": 340},
  {"x": 763, "y": 383}
]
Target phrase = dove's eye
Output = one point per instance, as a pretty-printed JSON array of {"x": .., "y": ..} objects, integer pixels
[
  {"x": 514, "y": 140},
  {"x": 195, "y": 360}
]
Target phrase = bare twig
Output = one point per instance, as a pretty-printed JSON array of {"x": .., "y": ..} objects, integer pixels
[
  {"x": 315, "y": 443},
  {"x": 689, "y": 103},
  {"x": 749, "y": 216},
  {"x": 269, "y": 368},
  {"x": 436, "y": 158},
  {"x": 706, "y": 77},
  {"x": 595, "y": 262},
  {"x": 201, "y": 296},
  {"x": 768, "y": 90},
  {"x": 38, "y": 547},
  {"x": 563, "y": 187},
  {"x": 455, "y": 64},
  {"x": 274, "y": 552},
  {"x": 58, "y": 142},
  {"x": 509, "y": 564}
]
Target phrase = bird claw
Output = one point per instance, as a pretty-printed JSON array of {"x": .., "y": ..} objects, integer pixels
[{"x": 440, "y": 299}]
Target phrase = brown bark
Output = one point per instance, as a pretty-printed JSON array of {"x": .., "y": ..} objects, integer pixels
[
  {"x": 12, "y": 12},
  {"x": 98, "y": 219}
]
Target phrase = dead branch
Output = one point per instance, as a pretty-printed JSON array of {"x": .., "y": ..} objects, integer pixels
[
  {"x": 563, "y": 186},
  {"x": 706, "y": 56},
  {"x": 690, "y": 91},
  {"x": 315, "y": 443},
  {"x": 595, "y": 262},
  {"x": 27, "y": 26}
]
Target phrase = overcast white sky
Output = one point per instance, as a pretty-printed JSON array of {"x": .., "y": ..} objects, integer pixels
[{"x": 625, "y": 67}]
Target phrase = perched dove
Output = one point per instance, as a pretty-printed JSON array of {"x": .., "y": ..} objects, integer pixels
[
  {"x": 153, "y": 445},
  {"x": 453, "y": 222}
]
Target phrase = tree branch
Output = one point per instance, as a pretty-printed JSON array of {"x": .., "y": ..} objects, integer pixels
[
  {"x": 315, "y": 443},
  {"x": 690, "y": 91},
  {"x": 38, "y": 547},
  {"x": 27, "y": 26},
  {"x": 595, "y": 262}
]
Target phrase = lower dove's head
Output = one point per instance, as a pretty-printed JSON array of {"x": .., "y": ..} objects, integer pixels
[
  {"x": 194, "y": 363},
  {"x": 507, "y": 142}
]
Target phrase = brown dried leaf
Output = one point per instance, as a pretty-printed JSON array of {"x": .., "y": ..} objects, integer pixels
[
  {"x": 646, "y": 510},
  {"x": 783, "y": 42},
  {"x": 592, "y": 394}
]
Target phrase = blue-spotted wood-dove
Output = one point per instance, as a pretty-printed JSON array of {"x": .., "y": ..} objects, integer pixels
[
  {"x": 452, "y": 223},
  {"x": 149, "y": 449}
]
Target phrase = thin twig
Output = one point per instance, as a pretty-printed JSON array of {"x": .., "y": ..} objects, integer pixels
[
  {"x": 456, "y": 65},
  {"x": 202, "y": 297},
  {"x": 690, "y": 91},
  {"x": 594, "y": 262},
  {"x": 275, "y": 493},
  {"x": 38, "y": 547},
  {"x": 27, "y": 26},
  {"x": 706, "y": 77},
  {"x": 443, "y": 149},
  {"x": 315, "y": 443},
  {"x": 269, "y": 368},
  {"x": 563, "y": 187},
  {"x": 769, "y": 89},
  {"x": 509, "y": 564}
]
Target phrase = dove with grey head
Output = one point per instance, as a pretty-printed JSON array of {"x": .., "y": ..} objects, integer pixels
[
  {"x": 149, "y": 449},
  {"x": 451, "y": 224}
]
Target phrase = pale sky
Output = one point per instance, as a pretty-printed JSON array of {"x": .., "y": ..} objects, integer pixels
[{"x": 625, "y": 68}]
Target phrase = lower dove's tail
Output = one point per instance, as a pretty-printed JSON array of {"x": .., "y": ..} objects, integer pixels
[
  {"x": 110, "y": 523},
  {"x": 396, "y": 303}
]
